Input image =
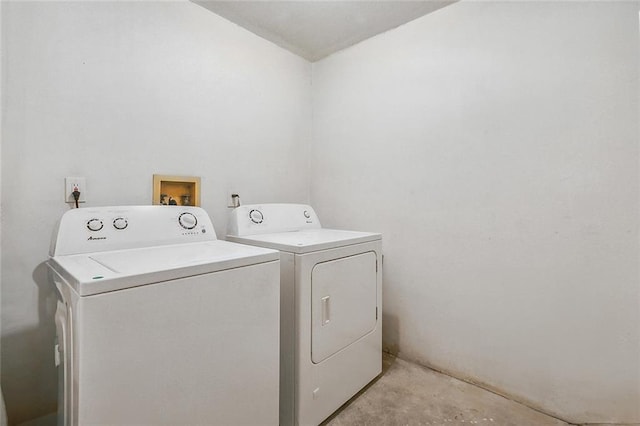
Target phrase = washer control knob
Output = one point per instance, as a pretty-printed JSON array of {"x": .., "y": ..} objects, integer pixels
[
  {"x": 187, "y": 220},
  {"x": 94, "y": 224},
  {"x": 120, "y": 223},
  {"x": 307, "y": 214},
  {"x": 256, "y": 216}
]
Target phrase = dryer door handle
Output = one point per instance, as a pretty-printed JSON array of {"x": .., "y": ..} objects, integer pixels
[{"x": 326, "y": 310}]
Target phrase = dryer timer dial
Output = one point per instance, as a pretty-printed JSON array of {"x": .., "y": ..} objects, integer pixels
[{"x": 256, "y": 216}]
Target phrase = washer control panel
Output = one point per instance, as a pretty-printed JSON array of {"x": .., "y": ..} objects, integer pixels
[{"x": 112, "y": 228}]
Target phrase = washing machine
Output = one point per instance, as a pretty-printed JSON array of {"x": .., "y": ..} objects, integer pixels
[
  {"x": 331, "y": 296},
  {"x": 161, "y": 323}
]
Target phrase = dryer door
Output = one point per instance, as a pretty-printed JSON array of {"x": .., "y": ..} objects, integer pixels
[{"x": 343, "y": 303}]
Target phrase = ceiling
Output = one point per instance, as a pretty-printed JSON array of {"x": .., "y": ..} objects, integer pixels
[{"x": 314, "y": 29}]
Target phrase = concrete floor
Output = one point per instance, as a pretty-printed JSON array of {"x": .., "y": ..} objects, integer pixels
[{"x": 407, "y": 394}]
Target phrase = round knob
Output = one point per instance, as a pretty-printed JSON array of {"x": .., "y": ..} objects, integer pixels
[
  {"x": 120, "y": 223},
  {"x": 95, "y": 225},
  {"x": 187, "y": 220},
  {"x": 256, "y": 216},
  {"x": 307, "y": 214}
]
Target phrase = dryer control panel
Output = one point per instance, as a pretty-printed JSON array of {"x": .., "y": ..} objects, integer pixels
[
  {"x": 96, "y": 229},
  {"x": 252, "y": 219}
]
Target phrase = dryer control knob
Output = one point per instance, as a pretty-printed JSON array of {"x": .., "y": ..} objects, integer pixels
[
  {"x": 95, "y": 225},
  {"x": 187, "y": 220},
  {"x": 256, "y": 216},
  {"x": 120, "y": 223}
]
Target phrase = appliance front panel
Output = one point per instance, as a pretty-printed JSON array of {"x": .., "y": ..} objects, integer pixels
[
  {"x": 322, "y": 387},
  {"x": 343, "y": 303},
  {"x": 195, "y": 350}
]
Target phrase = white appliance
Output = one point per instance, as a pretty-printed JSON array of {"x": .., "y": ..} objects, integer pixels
[
  {"x": 331, "y": 296},
  {"x": 160, "y": 323}
]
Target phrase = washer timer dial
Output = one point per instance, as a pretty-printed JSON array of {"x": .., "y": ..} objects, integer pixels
[
  {"x": 120, "y": 223},
  {"x": 94, "y": 224},
  {"x": 187, "y": 220}
]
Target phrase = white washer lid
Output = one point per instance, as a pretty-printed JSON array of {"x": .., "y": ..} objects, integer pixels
[
  {"x": 93, "y": 273},
  {"x": 308, "y": 240}
]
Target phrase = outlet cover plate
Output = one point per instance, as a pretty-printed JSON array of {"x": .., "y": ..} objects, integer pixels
[{"x": 73, "y": 182}]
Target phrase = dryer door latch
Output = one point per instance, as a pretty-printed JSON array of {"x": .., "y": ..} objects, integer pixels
[{"x": 326, "y": 312}]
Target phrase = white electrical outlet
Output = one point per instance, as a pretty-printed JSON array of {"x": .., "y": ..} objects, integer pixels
[{"x": 70, "y": 185}]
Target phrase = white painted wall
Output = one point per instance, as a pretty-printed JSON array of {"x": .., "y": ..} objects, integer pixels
[
  {"x": 115, "y": 92},
  {"x": 494, "y": 144},
  {"x": 496, "y": 147}
]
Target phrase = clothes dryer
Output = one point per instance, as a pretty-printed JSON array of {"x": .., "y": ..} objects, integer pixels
[
  {"x": 331, "y": 299},
  {"x": 160, "y": 323}
]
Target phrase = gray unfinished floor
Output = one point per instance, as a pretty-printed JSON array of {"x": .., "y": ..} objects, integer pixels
[{"x": 408, "y": 394}]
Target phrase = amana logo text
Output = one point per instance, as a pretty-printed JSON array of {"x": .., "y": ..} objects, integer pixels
[{"x": 97, "y": 238}]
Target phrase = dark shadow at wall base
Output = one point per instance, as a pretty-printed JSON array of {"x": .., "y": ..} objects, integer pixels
[
  {"x": 28, "y": 372},
  {"x": 29, "y": 386}
]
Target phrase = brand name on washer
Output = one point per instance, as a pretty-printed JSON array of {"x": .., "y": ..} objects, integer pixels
[{"x": 96, "y": 238}]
